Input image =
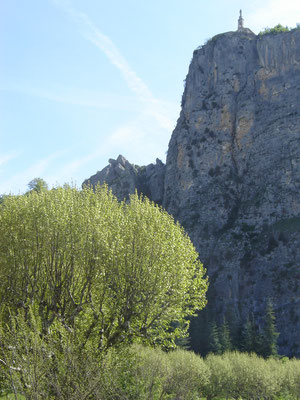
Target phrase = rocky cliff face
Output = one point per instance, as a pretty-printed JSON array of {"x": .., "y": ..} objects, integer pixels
[
  {"x": 232, "y": 177},
  {"x": 124, "y": 179},
  {"x": 233, "y": 173}
]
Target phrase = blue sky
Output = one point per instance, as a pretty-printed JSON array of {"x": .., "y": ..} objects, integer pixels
[{"x": 82, "y": 81}]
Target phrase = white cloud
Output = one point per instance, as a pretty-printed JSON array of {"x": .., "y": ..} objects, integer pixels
[
  {"x": 8, "y": 157},
  {"x": 145, "y": 135},
  {"x": 142, "y": 137},
  {"x": 133, "y": 81},
  {"x": 272, "y": 12},
  {"x": 104, "y": 43},
  {"x": 131, "y": 140},
  {"x": 75, "y": 96}
]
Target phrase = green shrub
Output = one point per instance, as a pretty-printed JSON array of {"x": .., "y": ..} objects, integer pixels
[
  {"x": 58, "y": 368},
  {"x": 178, "y": 374},
  {"x": 290, "y": 385},
  {"x": 151, "y": 370},
  {"x": 242, "y": 375},
  {"x": 187, "y": 375},
  {"x": 254, "y": 377},
  {"x": 220, "y": 377}
]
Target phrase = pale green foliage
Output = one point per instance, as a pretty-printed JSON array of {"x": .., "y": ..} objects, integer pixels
[
  {"x": 159, "y": 375},
  {"x": 247, "y": 376},
  {"x": 113, "y": 272},
  {"x": 152, "y": 369},
  {"x": 221, "y": 376},
  {"x": 187, "y": 375},
  {"x": 183, "y": 375},
  {"x": 254, "y": 377},
  {"x": 291, "y": 379},
  {"x": 2, "y": 197},
  {"x": 55, "y": 367},
  {"x": 24, "y": 355}
]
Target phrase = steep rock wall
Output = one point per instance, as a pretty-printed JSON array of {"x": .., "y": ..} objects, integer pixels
[
  {"x": 232, "y": 178},
  {"x": 233, "y": 175}
]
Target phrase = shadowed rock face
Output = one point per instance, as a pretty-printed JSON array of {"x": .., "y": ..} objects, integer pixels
[
  {"x": 124, "y": 179},
  {"x": 119, "y": 175},
  {"x": 232, "y": 177},
  {"x": 233, "y": 174}
]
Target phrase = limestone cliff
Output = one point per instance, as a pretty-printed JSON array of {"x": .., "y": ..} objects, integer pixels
[
  {"x": 232, "y": 176},
  {"x": 124, "y": 179}
]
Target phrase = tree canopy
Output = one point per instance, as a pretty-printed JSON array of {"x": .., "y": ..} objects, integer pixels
[
  {"x": 37, "y": 184},
  {"x": 113, "y": 272}
]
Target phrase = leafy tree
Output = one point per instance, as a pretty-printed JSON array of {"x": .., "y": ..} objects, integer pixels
[
  {"x": 24, "y": 356},
  {"x": 270, "y": 335},
  {"x": 182, "y": 342},
  {"x": 111, "y": 272},
  {"x": 37, "y": 185}
]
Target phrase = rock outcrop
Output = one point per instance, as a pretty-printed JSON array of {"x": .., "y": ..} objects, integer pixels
[
  {"x": 124, "y": 179},
  {"x": 232, "y": 177}
]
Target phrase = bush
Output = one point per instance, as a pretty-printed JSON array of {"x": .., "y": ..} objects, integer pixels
[
  {"x": 187, "y": 375},
  {"x": 254, "y": 377},
  {"x": 57, "y": 368},
  {"x": 178, "y": 374},
  {"x": 221, "y": 377},
  {"x": 290, "y": 379},
  {"x": 241, "y": 375},
  {"x": 152, "y": 371}
]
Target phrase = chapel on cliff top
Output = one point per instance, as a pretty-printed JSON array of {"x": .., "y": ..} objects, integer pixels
[
  {"x": 241, "y": 27},
  {"x": 240, "y": 22}
]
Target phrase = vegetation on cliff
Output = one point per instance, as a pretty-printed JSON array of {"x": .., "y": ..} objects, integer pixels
[{"x": 277, "y": 29}]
